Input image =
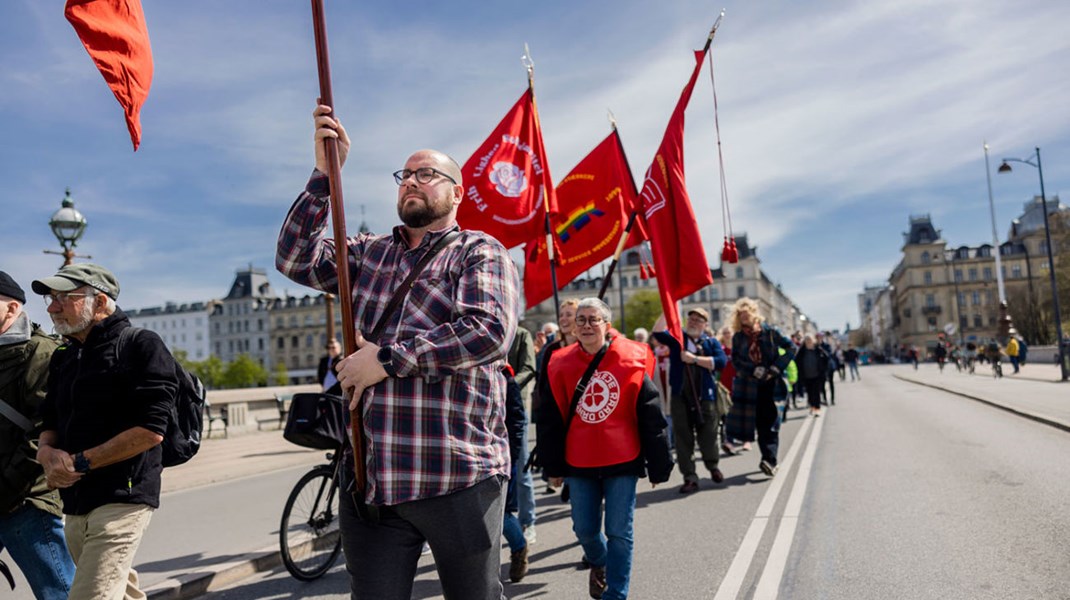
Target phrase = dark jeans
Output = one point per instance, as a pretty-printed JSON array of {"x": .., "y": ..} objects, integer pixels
[
  {"x": 463, "y": 529},
  {"x": 831, "y": 379},
  {"x": 813, "y": 391},
  {"x": 767, "y": 423}
]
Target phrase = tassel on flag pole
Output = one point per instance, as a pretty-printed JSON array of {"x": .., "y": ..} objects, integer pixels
[{"x": 729, "y": 253}]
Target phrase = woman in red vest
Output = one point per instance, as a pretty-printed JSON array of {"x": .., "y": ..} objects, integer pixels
[{"x": 603, "y": 438}]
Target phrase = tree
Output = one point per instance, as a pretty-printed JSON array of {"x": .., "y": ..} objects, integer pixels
[
  {"x": 244, "y": 372},
  {"x": 280, "y": 376},
  {"x": 210, "y": 371},
  {"x": 642, "y": 309}
]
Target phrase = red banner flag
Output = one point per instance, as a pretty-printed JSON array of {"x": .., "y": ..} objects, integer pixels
[
  {"x": 115, "y": 35},
  {"x": 506, "y": 178},
  {"x": 675, "y": 242},
  {"x": 594, "y": 202}
]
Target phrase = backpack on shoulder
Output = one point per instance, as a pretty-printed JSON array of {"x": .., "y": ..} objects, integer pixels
[{"x": 184, "y": 428}]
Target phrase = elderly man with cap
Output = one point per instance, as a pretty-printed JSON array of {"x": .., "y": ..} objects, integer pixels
[
  {"x": 104, "y": 417},
  {"x": 692, "y": 380},
  {"x": 31, "y": 525}
]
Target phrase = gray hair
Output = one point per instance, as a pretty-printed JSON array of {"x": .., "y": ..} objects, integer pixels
[
  {"x": 599, "y": 305},
  {"x": 640, "y": 334},
  {"x": 551, "y": 326},
  {"x": 109, "y": 302}
]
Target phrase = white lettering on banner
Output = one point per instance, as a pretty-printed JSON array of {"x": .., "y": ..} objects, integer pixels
[
  {"x": 653, "y": 196},
  {"x": 536, "y": 164},
  {"x": 484, "y": 160},
  {"x": 600, "y": 399},
  {"x": 523, "y": 219},
  {"x": 473, "y": 193}
]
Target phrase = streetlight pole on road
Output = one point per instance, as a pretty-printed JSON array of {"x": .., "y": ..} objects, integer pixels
[
  {"x": 67, "y": 225},
  {"x": 1006, "y": 168}
]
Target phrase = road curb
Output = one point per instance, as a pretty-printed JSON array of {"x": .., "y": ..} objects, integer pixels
[
  {"x": 194, "y": 585},
  {"x": 1021, "y": 413}
]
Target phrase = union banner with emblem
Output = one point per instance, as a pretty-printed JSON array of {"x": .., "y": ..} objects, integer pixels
[
  {"x": 506, "y": 179},
  {"x": 594, "y": 202}
]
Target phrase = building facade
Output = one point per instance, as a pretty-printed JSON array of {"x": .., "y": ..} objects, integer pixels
[
  {"x": 939, "y": 289},
  {"x": 240, "y": 322},
  {"x": 730, "y": 282},
  {"x": 183, "y": 327},
  {"x": 299, "y": 334}
]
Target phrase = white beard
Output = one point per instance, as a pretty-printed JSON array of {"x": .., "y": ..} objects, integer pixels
[{"x": 85, "y": 319}]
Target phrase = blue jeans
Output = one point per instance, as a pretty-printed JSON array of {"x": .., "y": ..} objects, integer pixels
[
  {"x": 614, "y": 549},
  {"x": 36, "y": 543},
  {"x": 526, "y": 491}
]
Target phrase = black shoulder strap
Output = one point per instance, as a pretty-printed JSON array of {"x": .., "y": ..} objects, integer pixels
[
  {"x": 582, "y": 385},
  {"x": 403, "y": 289},
  {"x": 125, "y": 334}
]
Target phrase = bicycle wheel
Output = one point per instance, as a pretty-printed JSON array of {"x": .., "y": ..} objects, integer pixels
[{"x": 308, "y": 534}]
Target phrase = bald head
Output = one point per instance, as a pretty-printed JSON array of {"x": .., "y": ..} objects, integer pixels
[{"x": 444, "y": 162}]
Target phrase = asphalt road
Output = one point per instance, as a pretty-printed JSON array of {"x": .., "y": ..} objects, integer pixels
[{"x": 906, "y": 492}]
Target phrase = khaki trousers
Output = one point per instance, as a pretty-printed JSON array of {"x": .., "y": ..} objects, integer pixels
[{"x": 102, "y": 544}]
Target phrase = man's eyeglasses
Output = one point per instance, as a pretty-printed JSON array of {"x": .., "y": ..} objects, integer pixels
[
  {"x": 423, "y": 175},
  {"x": 62, "y": 297},
  {"x": 593, "y": 321}
]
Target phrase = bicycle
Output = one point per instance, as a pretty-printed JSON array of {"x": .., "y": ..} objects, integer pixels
[{"x": 308, "y": 533}]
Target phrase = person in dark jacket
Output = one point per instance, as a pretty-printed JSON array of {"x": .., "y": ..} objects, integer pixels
[
  {"x": 759, "y": 365},
  {"x": 692, "y": 379},
  {"x": 31, "y": 524},
  {"x": 104, "y": 417},
  {"x": 326, "y": 372},
  {"x": 603, "y": 439},
  {"x": 813, "y": 363},
  {"x": 516, "y": 421}
]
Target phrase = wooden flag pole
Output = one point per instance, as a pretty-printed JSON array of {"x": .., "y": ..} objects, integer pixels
[
  {"x": 530, "y": 66},
  {"x": 338, "y": 220}
]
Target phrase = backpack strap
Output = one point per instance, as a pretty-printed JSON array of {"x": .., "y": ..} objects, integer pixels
[
  {"x": 15, "y": 416},
  {"x": 403, "y": 289},
  {"x": 581, "y": 386}
]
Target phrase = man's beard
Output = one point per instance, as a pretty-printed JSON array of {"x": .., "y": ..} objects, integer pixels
[
  {"x": 85, "y": 319},
  {"x": 421, "y": 215}
]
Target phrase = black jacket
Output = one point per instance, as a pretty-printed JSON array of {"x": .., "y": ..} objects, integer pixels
[{"x": 94, "y": 396}]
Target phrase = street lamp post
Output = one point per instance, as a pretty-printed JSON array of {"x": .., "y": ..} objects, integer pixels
[
  {"x": 1004, "y": 329},
  {"x": 67, "y": 225},
  {"x": 1006, "y": 168}
]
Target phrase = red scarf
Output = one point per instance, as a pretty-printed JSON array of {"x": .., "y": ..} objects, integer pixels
[{"x": 754, "y": 351}]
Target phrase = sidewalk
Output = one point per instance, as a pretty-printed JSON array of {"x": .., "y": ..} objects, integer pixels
[
  {"x": 241, "y": 455},
  {"x": 1035, "y": 393}
]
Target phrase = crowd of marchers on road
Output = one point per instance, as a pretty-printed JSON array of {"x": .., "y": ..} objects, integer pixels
[{"x": 448, "y": 388}]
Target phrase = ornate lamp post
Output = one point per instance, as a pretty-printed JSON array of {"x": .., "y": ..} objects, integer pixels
[
  {"x": 67, "y": 225},
  {"x": 1006, "y": 168}
]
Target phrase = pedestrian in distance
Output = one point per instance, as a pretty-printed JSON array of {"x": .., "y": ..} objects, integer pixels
[
  {"x": 828, "y": 391},
  {"x": 850, "y": 356},
  {"x": 430, "y": 388},
  {"x": 693, "y": 386},
  {"x": 325, "y": 372},
  {"x": 600, "y": 426},
  {"x": 521, "y": 359},
  {"x": 31, "y": 520},
  {"x": 759, "y": 365},
  {"x": 812, "y": 361},
  {"x": 104, "y": 418},
  {"x": 1013, "y": 350}
]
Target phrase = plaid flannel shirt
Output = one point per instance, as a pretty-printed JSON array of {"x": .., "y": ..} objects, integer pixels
[{"x": 439, "y": 425}]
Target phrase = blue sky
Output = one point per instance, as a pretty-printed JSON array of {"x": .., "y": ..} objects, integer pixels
[{"x": 839, "y": 120}]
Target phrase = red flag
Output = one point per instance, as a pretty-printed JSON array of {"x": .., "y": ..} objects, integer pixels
[
  {"x": 675, "y": 243},
  {"x": 506, "y": 179},
  {"x": 115, "y": 35},
  {"x": 594, "y": 202}
]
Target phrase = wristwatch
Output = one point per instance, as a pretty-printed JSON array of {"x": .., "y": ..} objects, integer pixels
[
  {"x": 386, "y": 359},
  {"x": 81, "y": 463}
]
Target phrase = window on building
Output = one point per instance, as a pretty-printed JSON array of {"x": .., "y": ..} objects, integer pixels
[
  {"x": 308, "y": 341},
  {"x": 230, "y": 326},
  {"x": 310, "y": 360},
  {"x": 308, "y": 320},
  {"x": 632, "y": 259},
  {"x": 293, "y": 341},
  {"x": 931, "y": 322},
  {"x": 973, "y": 274},
  {"x": 295, "y": 363},
  {"x": 646, "y": 283},
  {"x": 1016, "y": 271},
  {"x": 928, "y": 277},
  {"x": 989, "y": 297},
  {"x": 958, "y": 274},
  {"x": 714, "y": 294},
  {"x": 293, "y": 320},
  {"x": 259, "y": 324},
  {"x": 739, "y": 272},
  {"x": 930, "y": 300},
  {"x": 715, "y": 315},
  {"x": 218, "y": 348},
  {"x": 985, "y": 251},
  {"x": 635, "y": 281},
  {"x": 987, "y": 273},
  {"x": 702, "y": 295},
  {"x": 926, "y": 258},
  {"x": 623, "y": 282},
  {"x": 260, "y": 344},
  {"x": 963, "y": 322},
  {"x": 977, "y": 322},
  {"x": 216, "y": 327},
  {"x": 962, "y": 298},
  {"x": 280, "y": 343},
  {"x": 975, "y": 298},
  {"x": 741, "y": 291},
  {"x": 230, "y": 346},
  {"x": 323, "y": 340},
  {"x": 246, "y": 322}
]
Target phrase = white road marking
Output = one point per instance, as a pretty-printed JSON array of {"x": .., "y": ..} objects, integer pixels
[
  {"x": 769, "y": 583},
  {"x": 737, "y": 571}
]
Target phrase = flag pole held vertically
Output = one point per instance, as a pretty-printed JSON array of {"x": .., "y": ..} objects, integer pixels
[
  {"x": 627, "y": 228},
  {"x": 338, "y": 220},
  {"x": 529, "y": 64}
]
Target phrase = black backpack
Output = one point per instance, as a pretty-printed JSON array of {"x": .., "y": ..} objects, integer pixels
[{"x": 184, "y": 428}]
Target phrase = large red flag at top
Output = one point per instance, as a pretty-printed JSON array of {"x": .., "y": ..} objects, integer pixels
[
  {"x": 506, "y": 179},
  {"x": 670, "y": 222},
  {"x": 115, "y": 35},
  {"x": 594, "y": 202}
]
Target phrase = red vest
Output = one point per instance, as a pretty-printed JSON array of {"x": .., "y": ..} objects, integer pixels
[{"x": 605, "y": 429}]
